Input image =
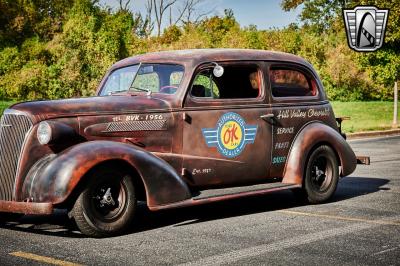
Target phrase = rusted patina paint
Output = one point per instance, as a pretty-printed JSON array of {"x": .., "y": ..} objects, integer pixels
[
  {"x": 312, "y": 135},
  {"x": 169, "y": 153},
  {"x": 60, "y": 176}
]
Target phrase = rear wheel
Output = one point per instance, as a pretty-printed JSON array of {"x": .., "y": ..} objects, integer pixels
[
  {"x": 107, "y": 206},
  {"x": 322, "y": 175}
]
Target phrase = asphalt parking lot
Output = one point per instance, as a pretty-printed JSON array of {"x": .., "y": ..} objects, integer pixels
[{"x": 360, "y": 225}]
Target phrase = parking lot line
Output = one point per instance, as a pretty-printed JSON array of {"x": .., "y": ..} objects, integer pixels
[
  {"x": 235, "y": 256},
  {"x": 344, "y": 218},
  {"x": 39, "y": 258}
]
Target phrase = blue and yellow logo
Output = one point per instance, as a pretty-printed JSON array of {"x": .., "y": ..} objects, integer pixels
[{"x": 231, "y": 135}]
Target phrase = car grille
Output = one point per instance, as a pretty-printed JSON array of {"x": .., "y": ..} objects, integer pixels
[{"x": 14, "y": 127}]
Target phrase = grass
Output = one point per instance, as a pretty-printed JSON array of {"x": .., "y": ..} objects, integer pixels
[
  {"x": 365, "y": 116},
  {"x": 4, "y": 105}
]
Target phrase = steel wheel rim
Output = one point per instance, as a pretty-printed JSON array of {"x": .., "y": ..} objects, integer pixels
[
  {"x": 321, "y": 173},
  {"x": 105, "y": 211}
]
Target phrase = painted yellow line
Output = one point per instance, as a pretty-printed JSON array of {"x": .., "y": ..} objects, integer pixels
[
  {"x": 344, "y": 218},
  {"x": 48, "y": 260}
]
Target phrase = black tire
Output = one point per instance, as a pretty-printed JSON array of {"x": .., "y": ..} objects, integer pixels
[
  {"x": 321, "y": 175},
  {"x": 107, "y": 206}
]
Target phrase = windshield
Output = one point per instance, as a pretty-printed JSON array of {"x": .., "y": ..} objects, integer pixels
[{"x": 159, "y": 78}]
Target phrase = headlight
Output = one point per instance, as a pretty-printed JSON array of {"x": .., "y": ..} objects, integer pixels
[{"x": 44, "y": 133}]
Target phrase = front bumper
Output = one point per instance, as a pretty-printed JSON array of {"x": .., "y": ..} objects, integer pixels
[{"x": 26, "y": 207}]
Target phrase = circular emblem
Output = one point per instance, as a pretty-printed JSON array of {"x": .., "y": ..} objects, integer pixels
[
  {"x": 231, "y": 135},
  {"x": 231, "y": 132}
]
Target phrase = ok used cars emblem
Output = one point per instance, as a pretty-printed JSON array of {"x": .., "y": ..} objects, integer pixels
[{"x": 231, "y": 135}]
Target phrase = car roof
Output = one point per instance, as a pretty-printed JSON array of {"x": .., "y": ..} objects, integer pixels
[{"x": 198, "y": 56}]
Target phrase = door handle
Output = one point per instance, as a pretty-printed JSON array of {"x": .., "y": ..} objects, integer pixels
[{"x": 267, "y": 117}]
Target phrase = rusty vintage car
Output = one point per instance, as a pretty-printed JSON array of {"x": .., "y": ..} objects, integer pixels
[{"x": 174, "y": 129}]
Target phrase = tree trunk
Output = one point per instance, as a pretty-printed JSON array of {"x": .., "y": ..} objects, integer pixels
[{"x": 395, "y": 100}]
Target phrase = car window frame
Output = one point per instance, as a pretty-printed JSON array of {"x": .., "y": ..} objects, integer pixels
[
  {"x": 204, "y": 101},
  {"x": 296, "y": 67}
]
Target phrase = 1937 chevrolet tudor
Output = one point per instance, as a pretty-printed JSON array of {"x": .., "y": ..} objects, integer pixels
[{"x": 174, "y": 129}]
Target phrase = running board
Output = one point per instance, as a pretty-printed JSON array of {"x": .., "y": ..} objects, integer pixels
[
  {"x": 212, "y": 195},
  {"x": 222, "y": 192}
]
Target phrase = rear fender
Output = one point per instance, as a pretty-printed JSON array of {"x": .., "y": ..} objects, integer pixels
[
  {"x": 56, "y": 180},
  {"x": 312, "y": 135}
]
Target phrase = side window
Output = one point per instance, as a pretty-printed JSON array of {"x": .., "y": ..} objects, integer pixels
[
  {"x": 286, "y": 82},
  {"x": 204, "y": 85},
  {"x": 237, "y": 82}
]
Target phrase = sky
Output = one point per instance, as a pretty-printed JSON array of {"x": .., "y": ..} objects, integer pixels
[{"x": 264, "y": 14}]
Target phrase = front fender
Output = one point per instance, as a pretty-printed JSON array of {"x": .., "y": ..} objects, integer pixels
[
  {"x": 311, "y": 135},
  {"x": 55, "y": 180}
]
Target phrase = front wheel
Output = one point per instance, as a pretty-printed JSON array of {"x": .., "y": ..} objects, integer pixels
[
  {"x": 322, "y": 175},
  {"x": 107, "y": 205}
]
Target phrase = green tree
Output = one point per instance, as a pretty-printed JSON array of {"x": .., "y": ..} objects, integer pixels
[
  {"x": 319, "y": 15},
  {"x": 171, "y": 34},
  {"x": 384, "y": 64},
  {"x": 74, "y": 60},
  {"x": 216, "y": 27},
  {"x": 53, "y": 49},
  {"x": 325, "y": 17},
  {"x": 21, "y": 19}
]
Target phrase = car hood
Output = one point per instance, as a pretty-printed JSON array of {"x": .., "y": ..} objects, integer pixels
[{"x": 42, "y": 110}]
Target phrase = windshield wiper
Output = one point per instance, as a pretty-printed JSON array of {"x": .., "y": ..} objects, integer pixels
[
  {"x": 148, "y": 92},
  {"x": 115, "y": 92}
]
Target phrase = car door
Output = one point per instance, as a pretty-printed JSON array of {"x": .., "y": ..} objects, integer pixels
[
  {"x": 296, "y": 101},
  {"x": 225, "y": 139}
]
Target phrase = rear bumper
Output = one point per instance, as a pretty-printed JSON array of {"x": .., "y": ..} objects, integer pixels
[
  {"x": 26, "y": 207},
  {"x": 363, "y": 160}
]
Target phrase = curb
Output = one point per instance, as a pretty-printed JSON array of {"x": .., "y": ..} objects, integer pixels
[{"x": 380, "y": 133}]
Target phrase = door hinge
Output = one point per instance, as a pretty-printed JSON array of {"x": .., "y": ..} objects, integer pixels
[
  {"x": 184, "y": 172},
  {"x": 187, "y": 118}
]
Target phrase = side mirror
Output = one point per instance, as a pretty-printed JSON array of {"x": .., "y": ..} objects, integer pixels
[{"x": 218, "y": 71}]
